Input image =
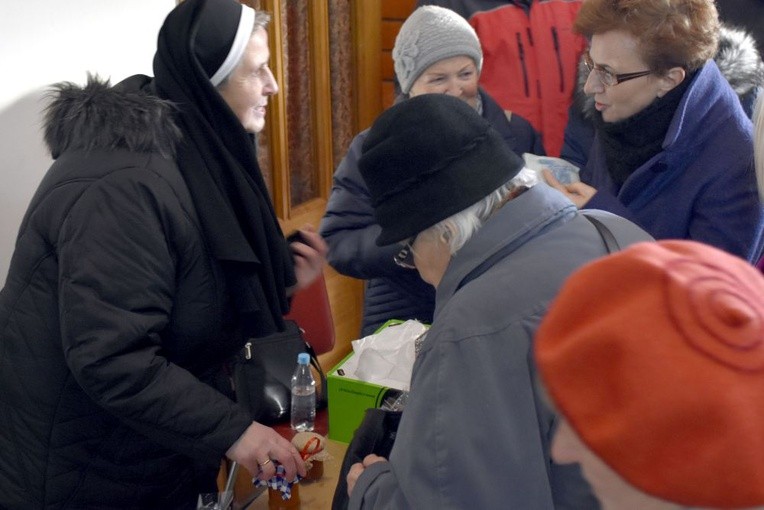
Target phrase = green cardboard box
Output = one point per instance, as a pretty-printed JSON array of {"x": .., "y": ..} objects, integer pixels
[
  {"x": 350, "y": 398},
  {"x": 348, "y": 401}
]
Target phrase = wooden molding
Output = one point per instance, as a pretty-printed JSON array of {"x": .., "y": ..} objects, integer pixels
[
  {"x": 398, "y": 9},
  {"x": 367, "y": 44},
  {"x": 322, "y": 95},
  {"x": 320, "y": 99},
  {"x": 277, "y": 113}
]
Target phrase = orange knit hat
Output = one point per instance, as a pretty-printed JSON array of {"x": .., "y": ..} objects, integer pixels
[{"x": 655, "y": 356}]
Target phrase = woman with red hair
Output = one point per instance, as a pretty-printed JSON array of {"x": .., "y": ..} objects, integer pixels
[{"x": 673, "y": 148}]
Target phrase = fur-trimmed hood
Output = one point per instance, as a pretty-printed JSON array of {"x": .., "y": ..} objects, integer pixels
[
  {"x": 99, "y": 116},
  {"x": 737, "y": 58}
]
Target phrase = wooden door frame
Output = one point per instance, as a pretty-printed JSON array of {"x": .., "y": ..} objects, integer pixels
[
  {"x": 293, "y": 217},
  {"x": 345, "y": 294},
  {"x": 367, "y": 45}
]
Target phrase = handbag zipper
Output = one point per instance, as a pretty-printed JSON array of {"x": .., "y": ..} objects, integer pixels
[{"x": 248, "y": 351}]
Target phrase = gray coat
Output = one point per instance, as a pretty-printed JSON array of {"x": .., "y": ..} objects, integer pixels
[{"x": 475, "y": 433}]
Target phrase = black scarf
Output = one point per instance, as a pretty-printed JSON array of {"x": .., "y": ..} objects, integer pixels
[
  {"x": 218, "y": 162},
  {"x": 629, "y": 143}
]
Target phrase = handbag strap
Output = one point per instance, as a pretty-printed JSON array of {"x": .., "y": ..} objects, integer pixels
[
  {"x": 611, "y": 243},
  {"x": 322, "y": 398}
]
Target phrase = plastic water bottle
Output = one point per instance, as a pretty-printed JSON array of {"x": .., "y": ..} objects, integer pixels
[{"x": 303, "y": 411}]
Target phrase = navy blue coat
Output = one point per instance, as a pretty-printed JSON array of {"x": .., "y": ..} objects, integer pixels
[
  {"x": 701, "y": 185},
  {"x": 350, "y": 230},
  {"x": 737, "y": 58}
]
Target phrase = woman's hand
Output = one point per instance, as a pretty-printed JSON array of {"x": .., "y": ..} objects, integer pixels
[
  {"x": 309, "y": 255},
  {"x": 358, "y": 468},
  {"x": 260, "y": 448},
  {"x": 578, "y": 192}
]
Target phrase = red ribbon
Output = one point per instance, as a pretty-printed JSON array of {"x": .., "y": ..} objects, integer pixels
[{"x": 305, "y": 452}]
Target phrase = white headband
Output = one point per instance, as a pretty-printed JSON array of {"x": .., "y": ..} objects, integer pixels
[{"x": 240, "y": 41}]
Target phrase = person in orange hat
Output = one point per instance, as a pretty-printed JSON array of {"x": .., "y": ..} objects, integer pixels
[{"x": 659, "y": 386}]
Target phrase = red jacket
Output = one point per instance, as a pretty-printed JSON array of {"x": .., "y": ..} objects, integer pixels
[{"x": 530, "y": 56}]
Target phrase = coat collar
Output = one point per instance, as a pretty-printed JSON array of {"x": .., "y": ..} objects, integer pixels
[
  {"x": 705, "y": 105},
  {"x": 98, "y": 116},
  {"x": 517, "y": 222}
]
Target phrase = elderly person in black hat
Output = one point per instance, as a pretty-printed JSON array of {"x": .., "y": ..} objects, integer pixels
[
  {"x": 149, "y": 255},
  {"x": 436, "y": 51},
  {"x": 447, "y": 194}
]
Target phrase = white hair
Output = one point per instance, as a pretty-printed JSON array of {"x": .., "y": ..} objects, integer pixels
[
  {"x": 258, "y": 20},
  {"x": 459, "y": 228},
  {"x": 758, "y": 142},
  {"x": 262, "y": 18}
]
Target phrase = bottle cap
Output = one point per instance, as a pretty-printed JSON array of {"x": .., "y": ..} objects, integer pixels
[{"x": 303, "y": 358}]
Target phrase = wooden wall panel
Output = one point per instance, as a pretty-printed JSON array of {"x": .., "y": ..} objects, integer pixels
[
  {"x": 394, "y": 13},
  {"x": 367, "y": 16},
  {"x": 388, "y": 71},
  {"x": 399, "y": 9},
  {"x": 390, "y": 30}
]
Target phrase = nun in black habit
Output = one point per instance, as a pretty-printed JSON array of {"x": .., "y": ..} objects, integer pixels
[{"x": 148, "y": 256}]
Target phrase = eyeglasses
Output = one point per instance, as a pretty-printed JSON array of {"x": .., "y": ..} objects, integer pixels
[
  {"x": 607, "y": 78},
  {"x": 405, "y": 257}
]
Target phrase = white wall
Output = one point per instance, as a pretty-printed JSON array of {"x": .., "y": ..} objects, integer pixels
[{"x": 47, "y": 41}]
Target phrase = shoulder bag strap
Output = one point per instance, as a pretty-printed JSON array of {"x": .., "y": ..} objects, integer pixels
[{"x": 611, "y": 244}]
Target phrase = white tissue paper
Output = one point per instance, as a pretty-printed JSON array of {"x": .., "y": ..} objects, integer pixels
[{"x": 385, "y": 358}]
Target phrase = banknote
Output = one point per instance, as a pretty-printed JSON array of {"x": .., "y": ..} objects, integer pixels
[{"x": 564, "y": 171}]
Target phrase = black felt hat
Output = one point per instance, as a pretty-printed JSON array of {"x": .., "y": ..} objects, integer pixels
[{"x": 430, "y": 157}]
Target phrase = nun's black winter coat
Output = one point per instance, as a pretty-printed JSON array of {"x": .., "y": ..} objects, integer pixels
[{"x": 113, "y": 323}]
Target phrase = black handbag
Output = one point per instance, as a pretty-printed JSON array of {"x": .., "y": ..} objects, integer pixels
[
  {"x": 376, "y": 434},
  {"x": 262, "y": 374}
]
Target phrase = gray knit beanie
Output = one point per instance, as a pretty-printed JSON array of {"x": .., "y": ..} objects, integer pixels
[{"x": 429, "y": 35}]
